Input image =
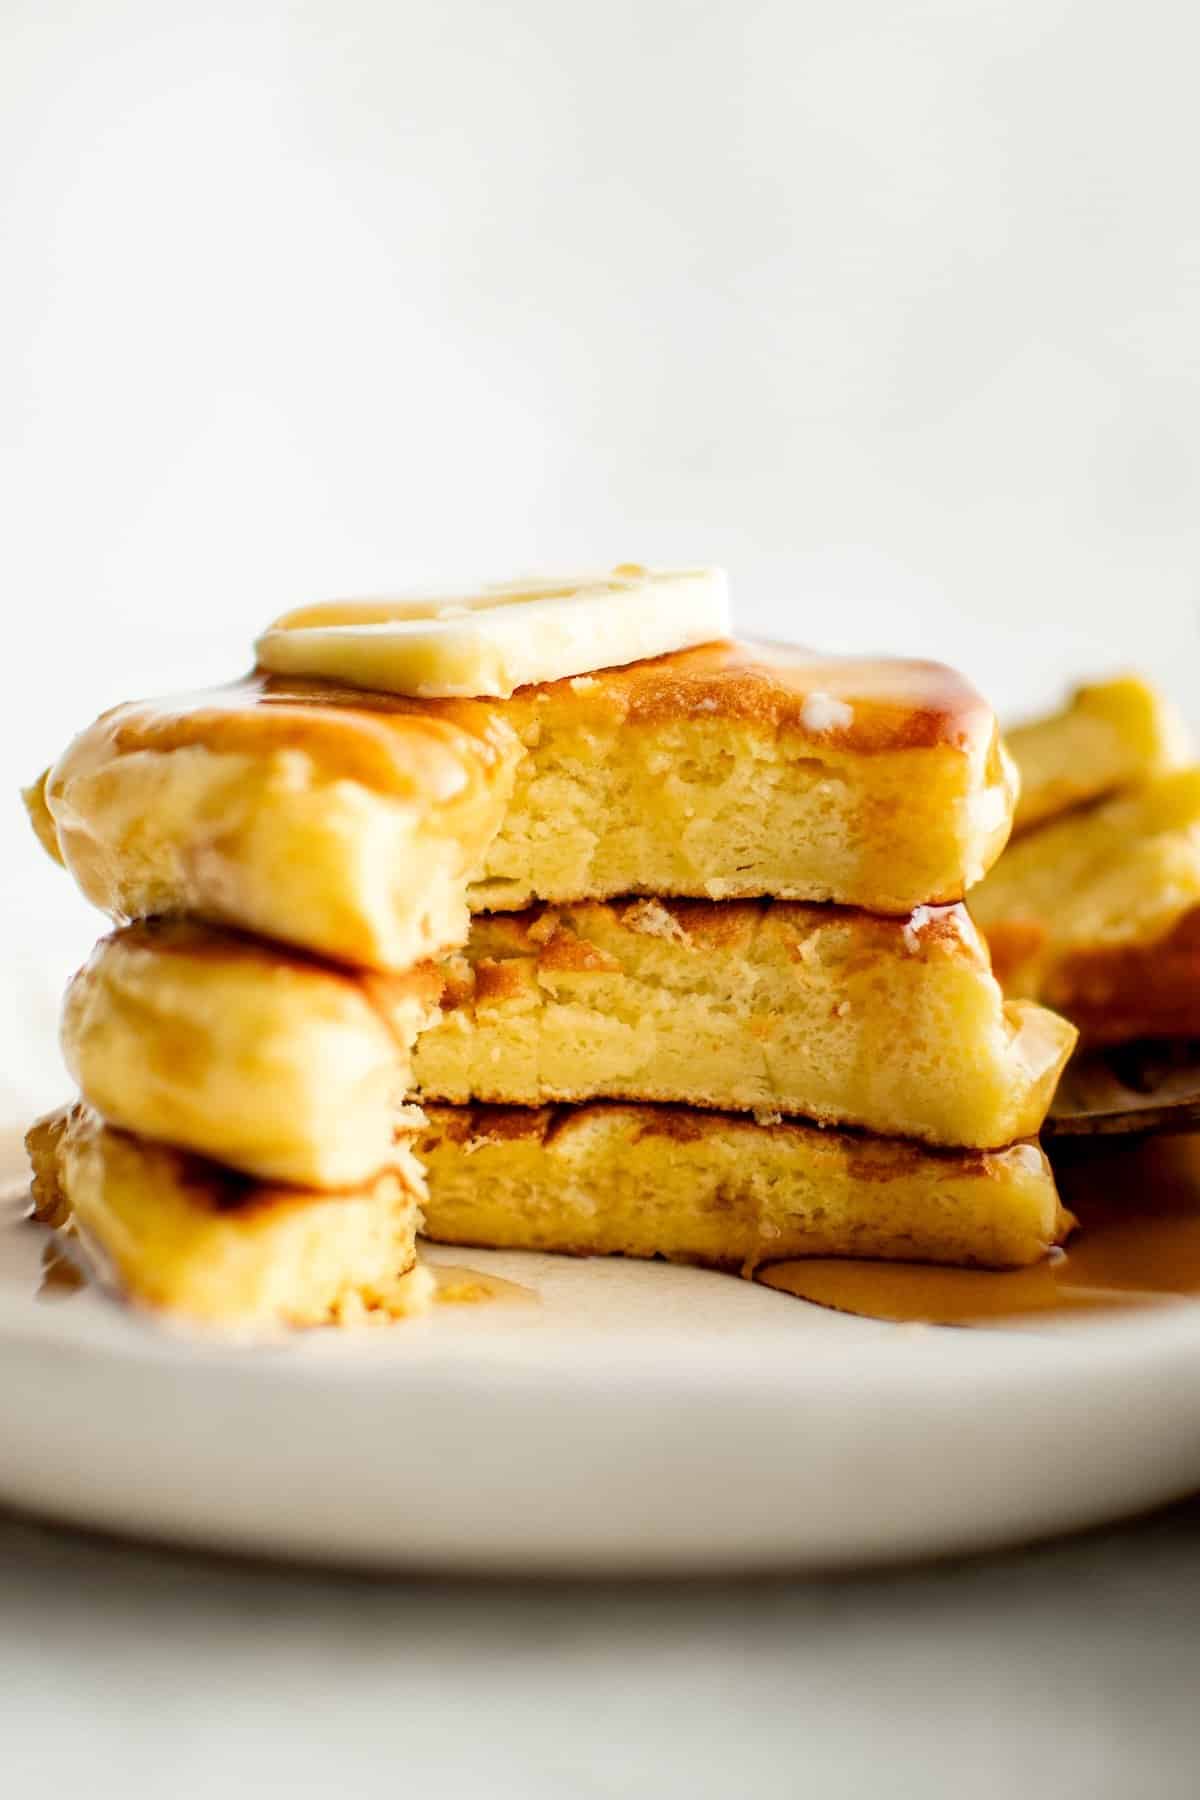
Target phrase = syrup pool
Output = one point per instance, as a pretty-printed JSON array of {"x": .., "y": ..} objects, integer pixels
[{"x": 1137, "y": 1244}]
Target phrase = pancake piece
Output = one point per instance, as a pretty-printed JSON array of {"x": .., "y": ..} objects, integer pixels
[
  {"x": 349, "y": 823},
  {"x": 282, "y": 1067},
  {"x": 1110, "y": 735},
  {"x": 768, "y": 1007},
  {"x": 737, "y": 770},
  {"x": 709, "y": 1188},
  {"x": 184, "y": 1236},
  {"x": 318, "y": 816},
  {"x": 1098, "y": 913}
]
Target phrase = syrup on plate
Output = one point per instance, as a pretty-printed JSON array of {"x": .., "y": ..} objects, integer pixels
[
  {"x": 61, "y": 1274},
  {"x": 471, "y": 1287},
  {"x": 1138, "y": 1244}
]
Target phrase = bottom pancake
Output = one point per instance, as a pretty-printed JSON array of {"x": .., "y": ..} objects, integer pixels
[
  {"x": 712, "y": 1188},
  {"x": 171, "y": 1231}
]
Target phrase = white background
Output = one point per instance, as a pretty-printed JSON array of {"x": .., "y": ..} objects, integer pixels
[{"x": 890, "y": 307}]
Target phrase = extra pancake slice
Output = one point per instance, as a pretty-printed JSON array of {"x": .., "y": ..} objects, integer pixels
[{"x": 1096, "y": 913}]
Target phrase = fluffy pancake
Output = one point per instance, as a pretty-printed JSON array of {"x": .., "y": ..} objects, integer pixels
[
  {"x": 1110, "y": 735},
  {"x": 280, "y": 1066},
  {"x": 744, "y": 769},
  {"x": 320, "y": 817},
  {"x": 709, "y": 1188},
  {"x": 172, "y": 1232},
  {"x": 350, "y": 823},
  {"x": 291, "y": 1069},
  {"x": 1098, "y": 913},
  {"x": 770, "y": 1007}
]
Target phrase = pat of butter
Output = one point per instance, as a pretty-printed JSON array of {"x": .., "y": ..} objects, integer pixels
[{"x": 501, "y": 638}]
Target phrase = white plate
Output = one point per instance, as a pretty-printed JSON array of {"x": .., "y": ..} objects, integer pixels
[{"x": 636, "y": 1417}]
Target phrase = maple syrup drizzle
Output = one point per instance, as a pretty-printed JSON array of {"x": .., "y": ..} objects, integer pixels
[
  {"x": 1138, "y": 1244},
  {"x": 471, "y": 1287},
  {"x": 454, "y": 1286},
  {"x": 61, "y": 1274}
]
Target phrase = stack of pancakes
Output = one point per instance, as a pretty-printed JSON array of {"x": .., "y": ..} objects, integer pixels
[
  {"x": 673, "y": 957},
  {"x": 1095, "y": 906}
]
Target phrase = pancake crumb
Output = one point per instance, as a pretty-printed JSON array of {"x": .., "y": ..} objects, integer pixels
[
  {"x": 915, "y": 924},
  {"x": 652, "y": 919},
  {"x": 822, "y": 712}
]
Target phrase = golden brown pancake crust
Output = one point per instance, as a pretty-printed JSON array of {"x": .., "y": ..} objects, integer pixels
[
  {"x": 894, "y": 705},
  {"x": 546, "y": 932},
  {"x": 873, "y": 1158},
  {"x": 349, "y": 734},
  {"x": 224, "y": 945}
]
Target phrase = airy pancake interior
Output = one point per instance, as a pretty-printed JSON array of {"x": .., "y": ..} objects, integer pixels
[{"x": 894, "y": 1025}]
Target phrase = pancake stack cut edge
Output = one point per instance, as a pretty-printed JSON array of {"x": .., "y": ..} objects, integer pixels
[{"x": 673, "y": 955}]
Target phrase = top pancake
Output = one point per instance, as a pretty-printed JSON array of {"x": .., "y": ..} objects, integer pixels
[{"x": 352, "y": 823}]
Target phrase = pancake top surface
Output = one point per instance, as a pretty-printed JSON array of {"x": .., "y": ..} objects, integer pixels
[
  {"x": 859, "y": 703},
  {"x": 348, "y": 734},
  {"x": 439, "y": 747}
]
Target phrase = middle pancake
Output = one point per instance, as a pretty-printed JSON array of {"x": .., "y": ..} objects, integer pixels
[
  {"x": 771, "y": 1007},
  {"x": 259, "y": 1057},
  {"x": 205, "y": 1039}
]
